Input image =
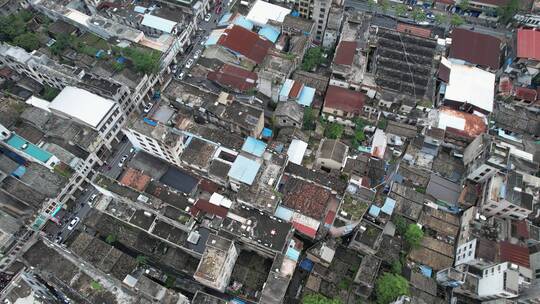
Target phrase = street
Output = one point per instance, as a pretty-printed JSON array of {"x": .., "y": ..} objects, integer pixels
[{"x": 81, "y": 207}]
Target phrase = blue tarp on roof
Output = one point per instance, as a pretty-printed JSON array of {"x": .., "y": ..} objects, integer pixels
[
  {"x": 306, "y": 96},
  {"x": 244, "y": 170},
  {"x": 19, "y": 172},
  {"x": 306, "y": 264},
  {"x": 121, "y": 59},
  {"x": 270, "y": 33},
  {"x": 150, "y": 122},
  {"x": 254, "y": 146},
  {"x": 374, "y": 211},
  {"x": 388, "y": 206},
  {"x": 267, "y": 133},
  {"x": 426, "y": 271}
]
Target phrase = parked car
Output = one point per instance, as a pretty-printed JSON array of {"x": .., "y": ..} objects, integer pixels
[
  {"x": 207, "y": 17},
  {"x": 58, "y": 239},
  {"x": 189, "y": 63},
  {"x": 181, "y": 76},
  {"x": 92, "y": 198},
  {"x": 122, "y": 161},
  {"x": 148, "y": 107},
  {"x": 73, "y": 223},
  {"x": 197, "y": 54}
]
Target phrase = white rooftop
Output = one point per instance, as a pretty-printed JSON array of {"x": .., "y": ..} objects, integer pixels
[
  {"x": 82, "y": 105},
  {"x": 296, "y": 151},
  {"x": 471, "y": 85},
  {"x": 263, "y": 11},
  {"x": 158, "y": 23}
]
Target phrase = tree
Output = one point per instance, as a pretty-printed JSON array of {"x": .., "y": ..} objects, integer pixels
[
  {"x": 141, "y": 259},
  {"x": 359, "y": 136},
  {"x": 441, "y": 19},
  {"x": 333, "y": 130},
  {"x": 413, "y": 236},
  {"x": 317, "y": 298},
  {"x": 382, "y": 123},
  {"x": 396, "y": 267},
  {"x": 400, "y": 10},
  {"x": 464, "y": 5},
  {"x": 507, "y": 12},
  {"x": 390, "y": 287},
  {"x": 383, "y": 4},
  {"x": 12, "y": 26},
  {"x": 143, "y": 61},
  {"x": 111, "y": 238},
  {"x": 28, "y": 41},
  {"x": 49, "y": 93},
  {"x": 418, "y": 15},
  {"x": 456, "y": 20},
  {"x": 312, "y": 59},
  {"x": 309, "y": 119},
  {"x": 401, "y": 224}
]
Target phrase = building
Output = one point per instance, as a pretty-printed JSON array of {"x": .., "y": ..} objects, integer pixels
[
  {"x": 288, "y": 114},
  {"x": 316, "y": 10},
  {"x": 234, "y": 78},
  {"x": 483, "y": 50},
  {"x": 217, "y": 263},
  {"x": 333, "y": 27},
  {"x": 342, "y": 104},
  {"x": 527, "y": 44},
  {"x": 263, "y": 13},
  {"x": 347, "y": 68},
  {"x": 331, "y": 155}
]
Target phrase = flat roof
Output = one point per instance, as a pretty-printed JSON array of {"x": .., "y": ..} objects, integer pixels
[
  {"x": 21, "y": 144},
  {"x": 244, "y": 169},
  {"x": 263, "y": 11},
  {"x": 158, "y": 23},
  {"x": 471, "y": 85},
  {"x": 296, "y": 151},
  {"x": 254, "y": 146},
  {"x": 179, "y": 180},
  {"x": 82, "y": 105}
]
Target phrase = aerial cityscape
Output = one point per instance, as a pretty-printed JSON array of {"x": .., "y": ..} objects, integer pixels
[{"x": 269, "y": 151}]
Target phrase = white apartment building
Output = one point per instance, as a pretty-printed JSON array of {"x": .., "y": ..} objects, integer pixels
[{"x": 499, "y": 281}]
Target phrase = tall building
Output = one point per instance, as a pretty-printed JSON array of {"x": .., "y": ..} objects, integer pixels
[{"x": 317, "y": 10}]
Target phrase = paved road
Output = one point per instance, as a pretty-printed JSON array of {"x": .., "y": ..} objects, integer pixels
[{"x": 82, "y": 207}]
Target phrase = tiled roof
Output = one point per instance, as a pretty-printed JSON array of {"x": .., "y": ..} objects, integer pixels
[
  {"x": 306, "y": 198},
  {"x": 476, "y": 48},
  {"x": 245, "y": 42},
  {"x": 413, "y": 30},
  {"x": 526, "y": 94},
  {"x": 135, "y": 179},
  {"x": 345, "y": 52},
  {"x": 514, "y": 253},
  {"x": 234, "y": 77},
  {"x": 471, "y": 125},
  {"x": 305, "y": 229},
  {"x": 343, "y": 99},
  {"x": 528, "y": 44},
  {"x": 207, "y": 207}
]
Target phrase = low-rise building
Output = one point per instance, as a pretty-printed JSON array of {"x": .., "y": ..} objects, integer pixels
[{"x": 217, "y": 263}]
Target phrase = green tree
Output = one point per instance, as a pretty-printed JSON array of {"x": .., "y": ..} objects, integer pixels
[
  {"x": 507, "y": 12},
  {"x": 359, "y": 135},
  {"x": 396, "y": 267},
  {"x": 441, "y": 19},
  {"x": 464, "y": 4},
  {"x": 309, "y": 119},
  {"x": 28, "y": 41},
  {"x": 333, "y": 130},
  {"x": 456, "y": 20},
  {"x": 317, "y": 298},
  {"x": 312, "y": 59},
  {"x": 110, "y": 239},
  {"x": 382, "y": 123},
  {"x": 400, "y": 9},
  {"x": 401, "y": 224},
  {"x": 389, "y": 287},
  {"x": 413, "y": 236},
  {"x": 383, "y": 4},
  {"x": 49, "y": 93},
  {"x": 12, "y": 26},
  {"x": 143, "y": 61},
  {"x": 141, "y": 260},
  {"x": 418, "y": 15}
]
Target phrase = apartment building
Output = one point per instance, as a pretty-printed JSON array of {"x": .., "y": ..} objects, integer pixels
[{"x": 317, "y": 10}]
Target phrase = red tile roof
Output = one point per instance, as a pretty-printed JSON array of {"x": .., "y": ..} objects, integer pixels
[
  {"x": 306, "y": 198},
  {"x": 135, "y": 179},
  {"x": 296, "y": 89},
  {"x": 528, "y": 44},
  {"x": 413, "y": 30},
  {"x": 526, "y": 94},
  {"x": 234, "y": 77},
  {"x": 474, "y": 125},
  {"x": 345, "y": 52},
  {"x": 514, "y": 253},
  {"x": 207, "y": 207},
  {"x": 208, "y": 186},
  {"x": 343, "y": 99},
  {"x": 476, "y": 48},
  {"x": 521, "y": 229},
  {"x": 308, "y": 231},
  {"x": 245, "y": 42}
]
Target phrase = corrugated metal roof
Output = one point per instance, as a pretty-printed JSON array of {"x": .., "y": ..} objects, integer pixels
[
  {"x": 345, "y": 52},
  {"x": 254, "y": 146},
  {"x": 476, "y": 48},
  {"x": 528, "y": 44},
  {"x": 296, "y": 151},
  {"x": 514, "y": 253},
  {"x": 270, "y": 33},
  {"x": 244, "y": 170}
]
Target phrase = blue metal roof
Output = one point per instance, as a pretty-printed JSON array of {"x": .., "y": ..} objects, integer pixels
[
  {"x": 284, "y": 213},
  {"x": 286, "y": 88},
  {"x": 266, "y": 132},
  {"x": 374, "y": 211},
  {"x": 270, "y": 33},
  {"x": 293, "y": 254},
  {"x": 306, "y": 96},
  {"x": 225, "y": 19},
  {"x": 426, "y": 271},
  {"x": 388, "y": 206},
  {"x": 244, "y": 170},
  {"x": 140, "y": 9},
  {"x": 254, "y": 146},
  {"x": 243, "y": 22}
]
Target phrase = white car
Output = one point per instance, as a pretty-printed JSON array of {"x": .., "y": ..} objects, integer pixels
[
  {"x": 148, "y": 107},
  {"x": 203, "y": 41},
  {"x": 122, "y": 160},
  {"x": 189, "y": 63},
  {"x": 92, "y": 198},
  {"x": 181, "y": 76},
  {"x": 197, "y": 54},
  {"x": 207, "y": 17},
  {"x": 73, "y": 223}
]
